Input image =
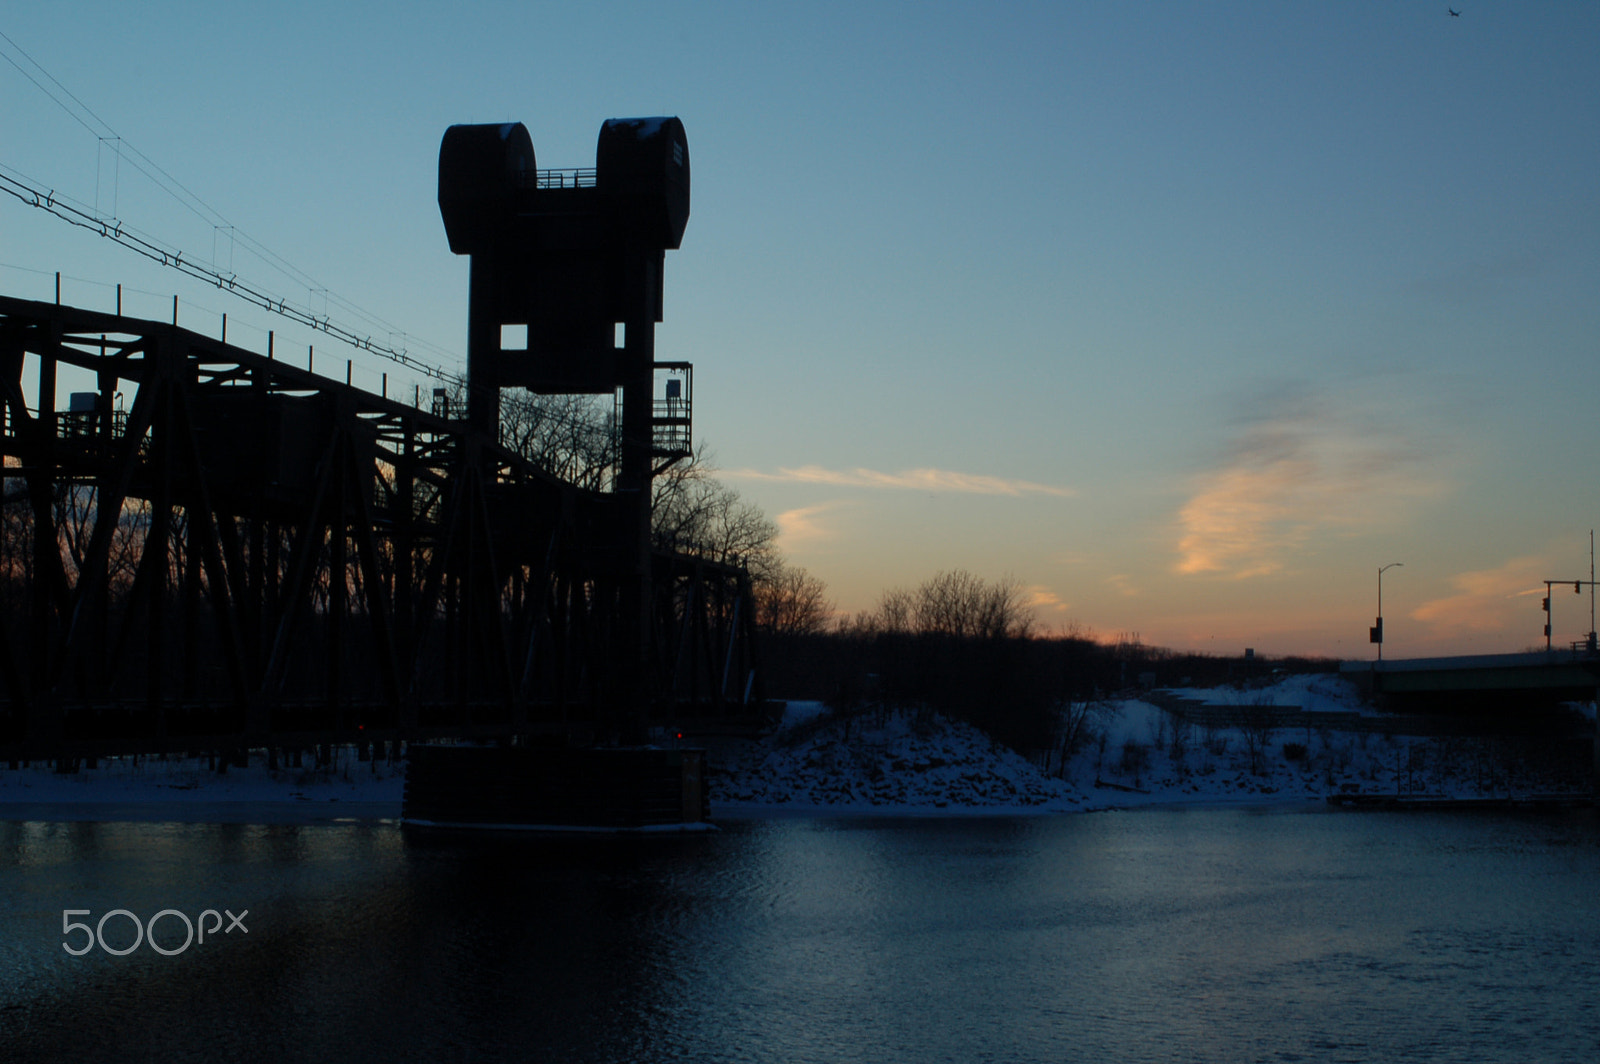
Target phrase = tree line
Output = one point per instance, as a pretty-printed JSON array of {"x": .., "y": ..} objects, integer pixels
[{"x": 957, "y": 644}]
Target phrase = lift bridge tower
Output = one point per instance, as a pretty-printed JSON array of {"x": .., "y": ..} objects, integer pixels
[{"x": 566, "y": 290}]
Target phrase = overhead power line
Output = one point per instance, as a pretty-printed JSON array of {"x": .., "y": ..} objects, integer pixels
[
  {"x": 37, "y": 194},
  {"x": 46, "y": 200}
]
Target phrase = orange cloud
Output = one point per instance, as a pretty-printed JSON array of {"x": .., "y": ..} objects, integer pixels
[
  {"x": 1123, "y": 584},
  {"x": 1244, "y": 519},
  {"x": 1488, "y": 600},
  {"x": 1041, "y": 597},
  {"x": 1291, "y": 477},
  {"x": 804, "y": 525}
]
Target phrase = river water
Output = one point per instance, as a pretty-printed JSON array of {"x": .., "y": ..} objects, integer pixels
[{"x": 1158, "y": 935}]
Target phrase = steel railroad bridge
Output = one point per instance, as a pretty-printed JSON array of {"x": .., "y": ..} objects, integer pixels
[{"x": 211, "y": 548}]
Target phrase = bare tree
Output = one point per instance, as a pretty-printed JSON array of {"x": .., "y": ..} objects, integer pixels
[
  {"x": 1076, "y": 724},
  {"x": 573, "y": 437},
  {"x": 791, "y": 602},
  {"x": 692, "y": 511},
  {"x": 1258, "y": 723},
  {"x": 956, "y": 604},
  {"x": 892, "y": 615}
]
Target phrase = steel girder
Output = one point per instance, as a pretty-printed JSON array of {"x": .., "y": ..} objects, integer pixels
[{"x": 210, "y": 548}]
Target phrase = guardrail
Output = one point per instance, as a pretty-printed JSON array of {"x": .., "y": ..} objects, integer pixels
[{"x": 569, "y": 177}]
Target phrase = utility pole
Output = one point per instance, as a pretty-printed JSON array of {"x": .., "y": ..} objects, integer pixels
[{"x": 1376, "y": 633}]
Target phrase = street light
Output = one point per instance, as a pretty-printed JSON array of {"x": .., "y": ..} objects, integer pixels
[{"x": 1376, "y": 634}]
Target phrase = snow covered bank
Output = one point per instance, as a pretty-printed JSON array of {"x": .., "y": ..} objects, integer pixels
[
  {"x": 1134, "y": 753},
  {"x": 902, "y": 765},
  {"x": 889, "y": 765},
  {"x": 186, "y": 790}
]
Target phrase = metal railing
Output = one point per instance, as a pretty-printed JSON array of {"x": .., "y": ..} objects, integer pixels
[
  {"x": 571, "y": 177},
  {"x": 672, "y": 427},
  {"x": 87, "y": 424}
]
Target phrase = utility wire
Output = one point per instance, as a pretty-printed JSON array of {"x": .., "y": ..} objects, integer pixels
[
  {"x": 35, "y": 194},
  {"x": 47, "y": 201},
  {"x": 166, "y": 182}
]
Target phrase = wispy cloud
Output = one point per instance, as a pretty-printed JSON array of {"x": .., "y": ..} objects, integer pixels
[
  {"x": 1302, "y": 468},
  {"x": 804, "y": 526},
  {"x": 1123, "y": 584},
  {"x": 1041, "y": 598},
  {"x": 1489, "y": 600},
  {"x": 933, "y": 480}
]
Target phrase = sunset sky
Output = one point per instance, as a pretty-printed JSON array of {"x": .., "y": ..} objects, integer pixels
[{"x": 1188, "y": 316}]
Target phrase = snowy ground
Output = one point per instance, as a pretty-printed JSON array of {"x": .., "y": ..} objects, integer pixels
[
  {"x": 1134, "y": 753},
  {"x": 1315, "y": 692},
  {"x": 186, "y": 790}
]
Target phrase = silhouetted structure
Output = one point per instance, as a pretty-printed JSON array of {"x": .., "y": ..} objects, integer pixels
[
  {"x": 215, "y": 549},
  {"x": 567, "y": 259}
]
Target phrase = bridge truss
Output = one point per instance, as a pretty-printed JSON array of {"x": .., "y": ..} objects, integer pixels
[{"x": 214, "y": 549}]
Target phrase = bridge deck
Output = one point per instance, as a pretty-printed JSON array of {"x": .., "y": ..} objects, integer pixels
[{"x": 1486, "y": 679}]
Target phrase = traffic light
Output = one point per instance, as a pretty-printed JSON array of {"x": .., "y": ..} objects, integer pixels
[
  {"x": 1546, "y": 606},
  {"x": 1577, "y": 587}
]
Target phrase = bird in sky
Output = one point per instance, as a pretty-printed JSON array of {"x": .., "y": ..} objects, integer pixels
[{"x": 1453, "y": 12}]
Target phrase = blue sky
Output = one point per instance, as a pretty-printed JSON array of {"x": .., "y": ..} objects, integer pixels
[{"x": 1187, "y": 316}]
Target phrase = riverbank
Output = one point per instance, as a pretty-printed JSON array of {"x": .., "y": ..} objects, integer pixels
[
  {"x": 187, "y": 790},
  {"x": 1133, "y": 753},
  {"x": 1227, "y": 747}
]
